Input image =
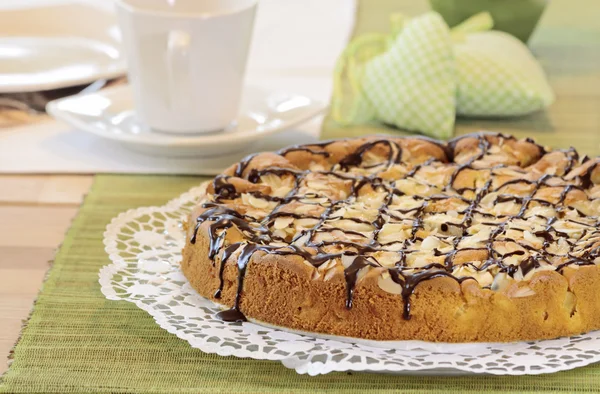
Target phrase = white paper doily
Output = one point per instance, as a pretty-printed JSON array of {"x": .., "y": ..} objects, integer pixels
[{"x": 145, "y": 245}]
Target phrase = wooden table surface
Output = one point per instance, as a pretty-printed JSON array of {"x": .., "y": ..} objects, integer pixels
[
  {"x": 35, "y": 213},
  {"x": 35, "y": 210}
]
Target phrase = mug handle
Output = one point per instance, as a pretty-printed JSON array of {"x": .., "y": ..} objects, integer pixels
[{"x": 178, "y": 71}]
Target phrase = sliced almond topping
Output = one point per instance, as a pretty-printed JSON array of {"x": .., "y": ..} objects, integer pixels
[
  {"x": 316, "y": 166},
  {"x": 560, "y": 247},
  {"x": 316, "y": 275},
  {"x": 272, "y": 180},
  {"x": 318, "y": 185},
  {"x": 386, "y": 284},
  {"x": 543, "y": 267},
  {"x": 353, "y": 226},
  {"x": 280, "y": 234},
  {"x": 386, "y": 259},
  {"x": 301, "y": 241},
  {"x": 536, "y": 242},
  {"x": 307, "y": 209},
  {"x": 421, "y": 259},
  {"x": 394, "y": 232},
  {"x": 484, "y": 278},
  {"x": 372, "y": 200},
  {"x": 347, "y": 260},
  {"x": 405, "y": 203},
  {"x": 306, "y": 223},
  {"x": 308, "y": 264},
  {"x": 330, "y": 274},
  {"x": 283, "y": 222},
  {"x": 541, "y": 210},
  {"x": 430, "y": 243},
  {"x": 362, "y": 273},
  {"x": 259, "y": 203},
  {"x": 501, "y": 281},
  {"x": 518, "y": 276},
  {"x": 327, "y": 265},
  {"x": 524, "y": 291},
  {"x": 506, "y": 208}
]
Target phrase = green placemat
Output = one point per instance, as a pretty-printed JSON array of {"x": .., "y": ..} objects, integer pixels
[{"x": 77, "y": 341}]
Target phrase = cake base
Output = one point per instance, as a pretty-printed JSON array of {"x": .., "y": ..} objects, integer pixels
[{"x": 279, "y": 290}]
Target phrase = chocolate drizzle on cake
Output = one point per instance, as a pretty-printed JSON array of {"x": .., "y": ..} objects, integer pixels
[{"x": 259, "y": 236}]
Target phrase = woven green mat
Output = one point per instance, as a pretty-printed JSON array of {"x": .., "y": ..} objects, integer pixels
[{"x": 77, "y": 341}]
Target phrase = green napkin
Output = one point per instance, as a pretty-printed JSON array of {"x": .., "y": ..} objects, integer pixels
[
  {"x": 411, "y": 82},
  {"x": 424, "y": 74},
  {"x": 498, "y": 76}
]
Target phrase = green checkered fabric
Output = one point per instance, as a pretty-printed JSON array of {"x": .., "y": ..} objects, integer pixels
[
  {"x": 413, "y": 84},
  {"x": 425, "y": 74},
  {"x": 409, "y": 81},
  {"x": 498, "y": 76}
]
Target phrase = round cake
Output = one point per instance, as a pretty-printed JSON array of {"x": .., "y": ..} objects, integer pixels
[{"x": 484, "y": 238}]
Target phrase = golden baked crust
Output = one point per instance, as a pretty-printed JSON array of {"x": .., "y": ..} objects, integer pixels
[{"x": 485, "y": 238}]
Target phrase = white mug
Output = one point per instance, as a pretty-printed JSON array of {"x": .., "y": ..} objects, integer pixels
[{"x": 186, "y": 60}]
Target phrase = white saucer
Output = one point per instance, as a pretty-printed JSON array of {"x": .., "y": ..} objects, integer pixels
[
  {"x": 109, "y": 114},
  {"x": 50, "y": 46}
]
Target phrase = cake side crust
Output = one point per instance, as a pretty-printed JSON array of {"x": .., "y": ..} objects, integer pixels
[{"x": 278, "y": 290}]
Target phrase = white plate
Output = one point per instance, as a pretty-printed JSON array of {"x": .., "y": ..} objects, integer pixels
[
  {"x": 53, "y": 46},
  {"x": 109, "y": 114}
]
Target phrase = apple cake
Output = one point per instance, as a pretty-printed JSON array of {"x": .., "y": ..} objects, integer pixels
[{"x": 483, "y": 238}]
